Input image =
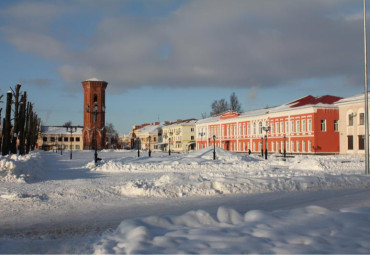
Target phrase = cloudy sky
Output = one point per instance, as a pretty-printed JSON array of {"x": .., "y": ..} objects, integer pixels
[{"x": 169, "y": 59}]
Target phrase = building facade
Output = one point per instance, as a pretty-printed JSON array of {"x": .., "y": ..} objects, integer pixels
[
  {"x": 352, "y": 124},
  {"x": 57, "y": 138},
  {"x": 306, "y": 125},
  {"x": 94, "y": 113},
  {"x": 179, "y": 136},
  {"x": 148, "y": 136}
]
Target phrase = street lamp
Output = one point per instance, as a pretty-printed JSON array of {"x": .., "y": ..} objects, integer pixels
[
  {"x": 284, "y": 146},
  {"x": 214, "y": 147},
  {"x": 201, "y": 139},
  {"x": 266, "y": 129},
  {"x": 61, "y": 144},
  {"x": 150, "y": 152},
  {"x": 262, "y": 146},
  {"x": 71, "y": 129},
  {"x": 138, "y": 146},
  {"x": 169, "y": 146}
]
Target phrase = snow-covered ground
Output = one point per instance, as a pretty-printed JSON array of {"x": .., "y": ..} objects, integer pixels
[{"x": 183, "y": 203}]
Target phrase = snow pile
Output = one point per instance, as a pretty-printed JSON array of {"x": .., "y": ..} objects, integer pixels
[
  {"x": 306, "y": 230},
  {"x": 187, "y": 185},
  {"x": 221, "y": 154},
  {"x": 16, "y": 168}
]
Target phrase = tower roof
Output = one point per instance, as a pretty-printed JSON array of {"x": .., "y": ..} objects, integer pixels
[{"x": 94, "y": 79}]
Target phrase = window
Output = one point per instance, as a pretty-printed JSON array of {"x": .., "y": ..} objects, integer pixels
[
  {"x": 77, "y": 147},
  {"x": 286, "y": 127},
  {"x": 272, "y": 146},
  {"x": 277, "y": 128},
  {"x": 191, "y": 129},
  {"x": 292, "y": 146},
  {"x": 44, "y": 139},
  {"x": 66, "y": 139},
  {"x": 72, "y": 139},
  {"x": 71, "y": 147},
  {"x": 336, "y": 125},
  {"x": 281, "y": 127},
  {"x": 254, "y": 128},
  {"x": 350, "y": 119},
  {"x": 298, "y": 146},
  {"x": 350, "y": 142},
  {"x": 323, "y": 125},
  {"x": 309, "y": 146},
  {"x": 298, "y": 126},
  {"x": 309, "y": 128},
  {"x": 303, "y": 125},
  {"x": 361, "y": 142},
  {"x": 303, "y": 146},
  {"x": 154, "y": 139},
  {"x": 272, "y": 128},
  {"x": 192, "y": 137},
  {"x": 95, "y": 98},
  {"x": 244, "y": 130},
  {"x": 77, "y": 139},
  {"x": 260, "y": 127},
  {"x": 52, "y": 139},
  {"x": 362, "y": 118},
  {"x": 292, "y": 126}
]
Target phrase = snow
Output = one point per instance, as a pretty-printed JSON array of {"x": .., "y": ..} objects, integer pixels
[
  {"x": 53, "y": 130},
  {"x": 183, "y": 203},
  {"x": 305, "y": 230}
]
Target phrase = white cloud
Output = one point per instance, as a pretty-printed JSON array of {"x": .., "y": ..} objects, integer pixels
[{"x": 209, "y": 43}]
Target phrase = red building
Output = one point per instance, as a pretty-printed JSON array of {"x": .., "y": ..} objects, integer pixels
[
  {"x": 94, "y": 113},
  {"x": 306, "y": 125}
]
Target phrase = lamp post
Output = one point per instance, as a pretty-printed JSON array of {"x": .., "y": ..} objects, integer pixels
[
  {"x": 201, "y": 134},
  {"x": 61, "y": 145},
  {"x": 284, "y": 146},
  {"x": 169, "y": 146},
  {"x": 262, "y": 146},
  {"x": 266, "y": 129},
  {"x": 138, "y": 146},
  {"x": 95, "y": 113},
  {"x": 214, "y": 147},
  {"x": 149, "y": 152},
  {"x": 71, "y": 129}
]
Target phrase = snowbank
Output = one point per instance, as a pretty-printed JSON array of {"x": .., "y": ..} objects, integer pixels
[
  {"x": 306, "y": 230},
  {"x": 16, "y": 168}
]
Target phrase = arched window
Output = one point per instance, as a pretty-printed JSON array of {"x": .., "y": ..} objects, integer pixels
[{"x": 95, "y": 98}]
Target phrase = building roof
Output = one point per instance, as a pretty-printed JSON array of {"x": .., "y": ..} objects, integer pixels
[
  {"x": 326, "y": 101},
  {"x": 353, "y": 99},
  {"x": 149, "y": 129},
  {"x": 59, "y": 130},
  {"x": 188, "y": 122}
]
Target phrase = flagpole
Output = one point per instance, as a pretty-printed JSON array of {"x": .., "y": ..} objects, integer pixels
[{"x": 366, "y": 99}]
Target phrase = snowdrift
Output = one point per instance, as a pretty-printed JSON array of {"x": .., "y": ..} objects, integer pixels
[{"x": 306, "y": 230}]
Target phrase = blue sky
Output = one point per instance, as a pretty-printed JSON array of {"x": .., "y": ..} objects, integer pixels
[{"x": 169, "y": 59}]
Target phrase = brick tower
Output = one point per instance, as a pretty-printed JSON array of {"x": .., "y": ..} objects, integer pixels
[{"x": 94, "y": 113}]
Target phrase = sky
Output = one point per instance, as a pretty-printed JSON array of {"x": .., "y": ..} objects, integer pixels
[{"x": 169, "y": 59}]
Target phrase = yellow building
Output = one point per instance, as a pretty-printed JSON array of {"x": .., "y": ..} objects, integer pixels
[
  {"x": 352, "y": 124},
  {"x": 179, "y": 136},
  {"x": 148, "y": 135},
  {"x": 57, "y": 137}
]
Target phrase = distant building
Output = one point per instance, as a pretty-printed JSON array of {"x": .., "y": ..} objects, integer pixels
[
  {"x": 352, "y": 124},
  {"x": 179, "y": 136},
  {"x": 94, "y": 114},
  {"x": 306, "y": 125},
  {"x": 147, "y": 135},
  {"x": 57, "y": 137}
]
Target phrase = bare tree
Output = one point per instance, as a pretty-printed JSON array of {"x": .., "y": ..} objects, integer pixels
[
  {"x": 234, "y": 103},
  {"x": 219, "y": 106},
  {"x": 67, "y": 124},
  {"x": 113, "y": 134},
  {"x": 204, "y": 115}
]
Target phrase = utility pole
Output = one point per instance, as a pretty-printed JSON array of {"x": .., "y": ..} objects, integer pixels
[{"x": 366, "y": 99}]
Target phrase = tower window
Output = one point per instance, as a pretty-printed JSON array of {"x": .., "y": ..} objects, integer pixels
[{"x": 95, "y": 98}]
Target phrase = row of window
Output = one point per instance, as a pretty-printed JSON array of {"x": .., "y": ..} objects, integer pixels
[
  {"x": 361, "y": 119},
  {"x": 295, "y": 126},
  {"x": 293, "y": 146},
  {"x": 361, "y": 142},
  {"x": 65, "y": 139},
  {"x": 70, "y": 147}
]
